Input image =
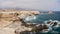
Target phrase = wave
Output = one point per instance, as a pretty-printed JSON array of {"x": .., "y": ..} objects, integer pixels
[
  {"x": 30, "y": 18},
  {"x": 53, "y": 25},
  {"x": 52, "y": 22}
]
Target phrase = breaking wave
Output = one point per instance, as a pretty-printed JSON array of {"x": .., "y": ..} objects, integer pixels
[
  {"x": 30, "y": 18},
  {"x": 53, "y": 29}
]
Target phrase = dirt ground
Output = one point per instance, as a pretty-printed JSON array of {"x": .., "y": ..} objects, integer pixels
[
  {"x": 10, "y": 28},
  {"x": 7, "y": 31},
  {"x": 7, "y": 26}
]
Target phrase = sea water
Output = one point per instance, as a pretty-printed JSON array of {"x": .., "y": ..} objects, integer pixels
[
  {"x": 41, "y": 18},
  {"x": 45, "y": 17}
]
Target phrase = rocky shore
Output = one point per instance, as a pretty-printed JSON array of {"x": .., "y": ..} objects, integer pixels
[
  {"x": 12, "y": 20},
  {"x": 7, "y": 16}
]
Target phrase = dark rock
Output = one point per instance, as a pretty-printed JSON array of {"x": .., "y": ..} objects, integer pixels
[
  {"x": 48, "y": 22},
  {"x": 55, "y": 23},
  {"x": 45, "y": 27}
]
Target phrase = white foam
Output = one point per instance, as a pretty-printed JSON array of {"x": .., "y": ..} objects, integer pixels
[
  {"x": 47, "y": 21},
  {"x": 55, "y": 21},
  {"x": 45, "y": 30},
  {"x": 29, "y": 18},
  {"x": 56, "y": 26},
  {"x": 37, "y": 25},
  {"x": 50, "y": 20}
]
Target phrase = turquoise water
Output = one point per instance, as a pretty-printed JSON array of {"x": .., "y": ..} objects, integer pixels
[{"x": 45, "y": 17}]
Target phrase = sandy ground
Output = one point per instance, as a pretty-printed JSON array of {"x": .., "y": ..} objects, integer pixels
[
  {"x": 9, "y": 28},
  {"x": 7, "y": 31},
  {"x": 6, "y": 16}
]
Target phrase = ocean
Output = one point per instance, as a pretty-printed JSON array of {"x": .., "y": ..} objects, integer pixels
[{"x": 41, "y": 18}]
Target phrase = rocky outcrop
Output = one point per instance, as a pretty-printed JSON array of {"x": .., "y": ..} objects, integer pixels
[
  {"x": 11, "y": 20},
  {"x": 6, "y": 16}
]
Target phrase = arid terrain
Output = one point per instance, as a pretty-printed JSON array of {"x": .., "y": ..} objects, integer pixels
[{"x": 10, "y": 20}]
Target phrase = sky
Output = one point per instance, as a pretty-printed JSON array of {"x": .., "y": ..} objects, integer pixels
[{"x": 46, "y": 5}]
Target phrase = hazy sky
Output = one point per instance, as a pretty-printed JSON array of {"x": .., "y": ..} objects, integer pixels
[{"x": 53, "y": 5}]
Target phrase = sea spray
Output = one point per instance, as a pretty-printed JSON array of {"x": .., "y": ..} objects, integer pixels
[
  {"x": 30, "y": 18},
  {"x": 51, "y": 27}
]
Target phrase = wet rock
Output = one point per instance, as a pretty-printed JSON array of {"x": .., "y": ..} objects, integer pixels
[
  {"x": 55, "y": 23},
  {"x": 48, "y": 22},
  {"x": 45, "y": 27}
]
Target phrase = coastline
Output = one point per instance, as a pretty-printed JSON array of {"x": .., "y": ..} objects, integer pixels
[
  {"x": 11, "y": 19},
  {"x": 15, "y": 20}
]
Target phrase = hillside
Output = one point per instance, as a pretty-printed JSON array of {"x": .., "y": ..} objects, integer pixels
[{"x": 10, "y": 19}]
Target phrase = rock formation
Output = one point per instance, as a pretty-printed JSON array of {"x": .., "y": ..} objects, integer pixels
[{"x": 12, "y": 19}]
